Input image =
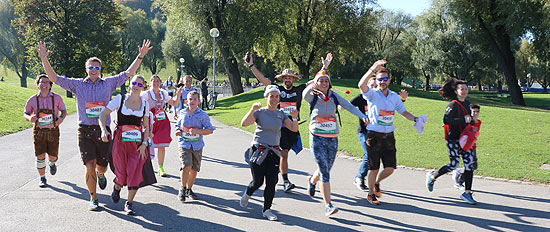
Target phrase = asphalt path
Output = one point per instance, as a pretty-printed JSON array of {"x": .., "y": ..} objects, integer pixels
[{"x": 406, "y": 204}]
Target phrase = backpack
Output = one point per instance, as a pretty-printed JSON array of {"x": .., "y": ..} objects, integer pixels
[{"x": 314, "y": 101}]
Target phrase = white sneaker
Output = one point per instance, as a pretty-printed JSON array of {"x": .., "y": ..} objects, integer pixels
[
  {"x": 269, "y": 215},
  {"x": 460, "y": 186},
  {"x": 244, "y": 200},
  {"x": 456, "y": 176}
]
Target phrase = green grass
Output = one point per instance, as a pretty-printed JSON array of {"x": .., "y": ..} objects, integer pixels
[
  {"x": 513, "y": 142},
  {"x": 12, "y": 104}
]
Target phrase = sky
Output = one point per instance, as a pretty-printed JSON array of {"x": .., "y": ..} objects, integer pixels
[{"x": 412, "y": 7}]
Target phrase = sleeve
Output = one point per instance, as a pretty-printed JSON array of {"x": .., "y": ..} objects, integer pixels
[
  {"x": 146, "y": 106},
  {"x": 369, "y": 94},
  {"x": 117, "y": 80},
  {"x": 349, "y": 107},
  {"x": 206, "y": 124},
  {"x": 29, "y": 109},
  {"x": 60, "y": 103},
  {"x": 283, "y": 116},
  {"x": 69, "y": 84},
  {"x": 181, "y": 116},
  {"x": 115, "y": 103},
  {"x": 451, "y": 115},
  {"x": 307, "y": 94},
  {"x": 399, "y": 106},
  {"x": 145, "y": 95},
  {"x": 256, "y": 115}
]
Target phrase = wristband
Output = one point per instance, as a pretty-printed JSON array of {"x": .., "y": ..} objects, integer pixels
[
  {"x": 250, "y": 66},
  {"x": 402, "y": 99},
  {"x": 294, "y": 119},
  {"x": 415, "y": 119}
]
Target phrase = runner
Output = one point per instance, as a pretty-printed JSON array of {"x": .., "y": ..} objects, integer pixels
[
  {"x": 169, "y": 86},
  {"x": 458, "y": 176},
  {"x": 361, "y": 104},
  {"x": 42, "y": 109},
  {"x": 457, "y": 117},
  {"x": 156, "y": 99},
  {"x": 129, "y": 145},
  {"x": 265, "y": 149},
  {"x": 186, "y": 82},
  {"x": 291, "y": 99},
  {"x": 382, "y": 103},
  {"x": 324, "y": 130},
  {"x": 92, "y": 94},
  {"x": 192, "y": 125}
]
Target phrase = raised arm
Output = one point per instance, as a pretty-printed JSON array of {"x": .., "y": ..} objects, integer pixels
[
  {"x": 248, "y": 60},
  {"x": 174, "y": 101},
  {"x": 378, "y": 65},
  {"x": 249, "y": 119},
  {"x": 292, "y": 125},
  {"x": 143, "y": 49},
  {"x": 43, "y": 52}
]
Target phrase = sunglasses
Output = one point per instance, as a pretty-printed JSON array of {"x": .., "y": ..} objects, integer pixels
[
  {"x": 92, "y": 68},
  {"x": 383, "y": 79},
  {"x": 137, "y": 83}
]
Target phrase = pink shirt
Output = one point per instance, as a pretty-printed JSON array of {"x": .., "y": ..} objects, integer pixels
[{"x": 45, "y": 103}]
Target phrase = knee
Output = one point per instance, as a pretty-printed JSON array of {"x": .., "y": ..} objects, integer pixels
[
  {"x": 389, "y": 170},
  {"x": 90, "y": 166}
]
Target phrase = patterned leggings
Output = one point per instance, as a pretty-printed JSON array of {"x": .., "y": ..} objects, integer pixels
[
  {"x": 324, "y": 151},
  {"x": 468, "y": 158}
]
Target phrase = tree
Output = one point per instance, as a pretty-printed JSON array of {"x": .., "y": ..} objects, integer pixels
[
  {"x": 155, "y": 60},
  {"x": 175, "y": 47},
  {"x": 498, "y": 23},
  {"x": 11, "y": 47},
  {"x": 72, "y": 31}
]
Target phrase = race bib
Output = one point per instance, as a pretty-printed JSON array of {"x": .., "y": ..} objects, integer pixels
[
  {"x": 325, "y": 125},
  {"x": 45, "y": 119},
  {"x": 187, "y": 136},
  {"x": 366, "y": 108},
  {"x": 385, "y": 118},
  {"x": 287, "y": 107},
  {"x": 131, "y": 133},
  {"x": 185, "y": 104},
  {"x": 93, "y": 109},
  {"x": 160, "y": 116}
]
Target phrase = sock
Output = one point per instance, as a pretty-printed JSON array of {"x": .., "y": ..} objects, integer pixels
[
  {"x": 43, "y": 176},
  {"x": 52, "y": 163},
  {"x": 285, "y": 177},
  {"x": 161, "y": 166}
]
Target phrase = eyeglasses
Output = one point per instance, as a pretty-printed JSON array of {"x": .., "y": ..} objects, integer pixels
[
  {"x": 383, "y": 79},
  {"x": 137, "y": 83},
  {"x": 92, "y": 68}
]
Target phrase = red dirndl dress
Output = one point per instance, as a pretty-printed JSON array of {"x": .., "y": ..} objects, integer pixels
[{"x": 161, "y": 125}]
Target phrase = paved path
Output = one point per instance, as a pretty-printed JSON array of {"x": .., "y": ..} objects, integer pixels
[{"x": 406, "y": 204}]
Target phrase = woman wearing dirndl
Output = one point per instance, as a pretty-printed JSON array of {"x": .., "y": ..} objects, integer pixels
[
  {"x": 133, "y": 166},
  {"x": 157, "y": 99}
]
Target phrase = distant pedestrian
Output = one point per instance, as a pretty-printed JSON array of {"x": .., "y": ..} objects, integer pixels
[
  {"x": 170, "y": 87},
  {"x": 204, "y": 94}
]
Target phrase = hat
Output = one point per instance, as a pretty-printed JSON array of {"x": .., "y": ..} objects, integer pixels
[
  {"x": 321, "y": 73},
  {"x": 271, "y": 88},
  {"x": 287, "y": 72}
]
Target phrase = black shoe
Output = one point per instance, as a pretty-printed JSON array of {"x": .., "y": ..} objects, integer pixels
[
  {"x": 128, "y": 208},
  {"x": 191, "y": 194},
  {"x": 288, "y": 186},
  {"x": 115, "y": 196},
  {"x": 53, "y": 169},
  {"x": 43, "y": 182},
  {"x": 102, "y": 181}
]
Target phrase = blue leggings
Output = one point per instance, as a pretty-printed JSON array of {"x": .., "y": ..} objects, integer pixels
[{"x": 324, "y": 151}]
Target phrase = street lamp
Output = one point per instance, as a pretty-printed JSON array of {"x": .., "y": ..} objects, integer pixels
[
  {"x": 182, "y": 66},
  {"x": 214, "y": 33}
]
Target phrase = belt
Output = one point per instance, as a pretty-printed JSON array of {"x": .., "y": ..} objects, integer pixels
[
  {"x": 94, "y": 127},
  {"x": 381, "y": 134}
]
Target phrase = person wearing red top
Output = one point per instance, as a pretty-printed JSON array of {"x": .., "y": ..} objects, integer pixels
[{"x": 458, "y": 176}]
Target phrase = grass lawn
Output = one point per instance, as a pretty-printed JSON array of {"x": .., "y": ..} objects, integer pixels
[{"x": 513, "y": 142}]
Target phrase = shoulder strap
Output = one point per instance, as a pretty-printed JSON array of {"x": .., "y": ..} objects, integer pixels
[
  {"x": 37, "y": 108},
  {"x": 122, "y": 96},
  {"x": 461, "y": 106},
  {"x": 53, "y": 110},
  {"x": 337, "y": 103}
]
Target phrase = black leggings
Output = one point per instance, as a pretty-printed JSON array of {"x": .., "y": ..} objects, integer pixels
[
  {"x": 469, "y": 159},
  {"x": 270, "y": 170}
]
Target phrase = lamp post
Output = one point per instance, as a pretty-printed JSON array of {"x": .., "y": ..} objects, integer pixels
[
  {"x": 214, "y": 33},
  {"x": 182, "y": 66}
]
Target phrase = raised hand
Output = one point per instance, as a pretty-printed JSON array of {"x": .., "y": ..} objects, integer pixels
[
  {"x": 144, "y": 48},
  {"x": 43, "y": 52},
  {"x": 326, "y": 61},
  {"x": 378, "y": 65},
  {"x": 404, "y": 94},
  {"x": 256, "y": 106},
  {"x": 248, "y": 60}
]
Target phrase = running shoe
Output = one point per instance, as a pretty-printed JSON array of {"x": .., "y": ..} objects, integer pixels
[
  {"x": 190, "y": 193},
  {"x": 288, "y": 186},
  {"x": 181, "y": 194},
  {"x": 330, "y": 210},
  {"x": 372, "y": 199},
  {"x": 115, "y": 196},
  {"x": 430, "y": 181},
  {"x": 94, "y": 204},
  {"x": 129, "y": 209},
  {"x": 310, "y": 187},
  {"x": 162, "y": 172},
  {"x": 468, "y": 198},
  {"x": 377, "y": 190},
  {"x": 102, "y": 181},
  {"x": 53, "y": 169},
  {"x": 244, "y": 199},
  {"x": 360, "y": 184},
  {"x": 269, "y": 215},
  {"x": 43, "y": 183},
  {"x": 456, "y": 176},
  {"x": 460, "y": 186}
]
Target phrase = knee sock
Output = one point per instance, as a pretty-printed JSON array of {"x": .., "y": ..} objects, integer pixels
[
  {"x": 40, "y": 163},
  {"x": 441, "y": 171},
  {"x": 468, "y": 179},
  {"x": 285, "y": 177}
]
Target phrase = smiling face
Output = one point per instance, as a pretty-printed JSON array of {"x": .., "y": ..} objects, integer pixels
[
  {"x": 188, "y": 81},
  {"x": 156, "y": 82},
  {"x": 135, "y": 87},
  {"x": 382, "y": 80},
  {"x": 288, "y": 81},
  {"x": 93, "y": 69},
  {"x": 272, "y": 99},
  {"x": 461, "y": 91},
  {"x": 324, "y": 83},
  {"x": 193, "y": 100},
  {"x": 44, "y": 84},
  {"x": 372, "y": 83}
]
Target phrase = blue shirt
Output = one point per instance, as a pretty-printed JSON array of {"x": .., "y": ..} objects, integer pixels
[
  {"x": 382, "y": 109},
  {"x": 183, "y": 97},
  {"x": 199, "y": 119}
]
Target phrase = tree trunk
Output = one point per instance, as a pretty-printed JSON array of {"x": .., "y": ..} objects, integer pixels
[
  {"x": 230, "y": 64},
  {"x": 426, "y": 81},
  {"x": 24, "y": 73},
  {"x": 303, "y": 70},
  {"x": 479, "y": 83},
  {"x": 499, "y": 87}
]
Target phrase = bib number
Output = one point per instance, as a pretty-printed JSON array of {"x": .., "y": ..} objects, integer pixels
[
  {"x": 385, "y": 118},
  {"x": 160, "y": 116},
  {"x": 45, "y": 119},
  {"x": 287, "y": 107},
  {"x": 93, "y": 109},
  {"x": 325, "y": 125},
  {"x": 131, "y": 133},
  {"x": 187, "y": 136}
]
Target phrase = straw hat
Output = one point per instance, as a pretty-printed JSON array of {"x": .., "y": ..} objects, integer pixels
[{"x": 287, "y": 72}]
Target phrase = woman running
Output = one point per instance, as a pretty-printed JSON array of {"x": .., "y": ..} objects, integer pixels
[
  {"x": 457, "y": 116},
  {"x": 133, "y": 166}
]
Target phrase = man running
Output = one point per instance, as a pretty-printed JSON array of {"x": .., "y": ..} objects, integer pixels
[
  {"x": 382, "y": 103},
  {"x": 92, "y": 95},
  {"x": 291, "y": 99}
]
